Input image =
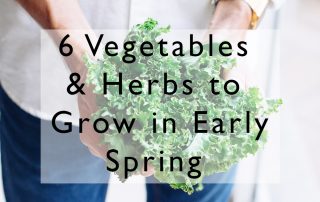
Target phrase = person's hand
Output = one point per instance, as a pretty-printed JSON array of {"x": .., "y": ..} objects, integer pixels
[
  {"x": 89, "y": 137},
  {"x": 56, "y": 16},
  {"x": 231, "y": 15},
  {"x": 87, "y": 106},
  {"x": 240, "y": 73},
  {"x": 232, "y": 18}
]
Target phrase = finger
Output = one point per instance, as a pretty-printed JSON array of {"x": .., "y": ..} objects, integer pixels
[
  {"x": 98, "y": 152},
  {"x": 93, "y": 142},
  {"x": 150, "y": 171},
  {"x": 90, "y": 138},
  {"x": 237, "y": 75},
  {"x": 93, "y": 152}
]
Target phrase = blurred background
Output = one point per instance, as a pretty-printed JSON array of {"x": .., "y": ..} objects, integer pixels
[{"x": 299, "y": 74}]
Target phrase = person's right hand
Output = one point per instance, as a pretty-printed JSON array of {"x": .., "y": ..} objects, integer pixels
[
  {"x": 87, "y": 106},
  {"x": 89, "y": 137}
]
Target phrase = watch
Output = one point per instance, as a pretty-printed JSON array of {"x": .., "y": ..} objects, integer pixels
[{"x": 258, "y": 7}]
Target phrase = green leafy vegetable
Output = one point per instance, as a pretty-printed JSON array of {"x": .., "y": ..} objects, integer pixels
[{"x": 218, "y": 151}]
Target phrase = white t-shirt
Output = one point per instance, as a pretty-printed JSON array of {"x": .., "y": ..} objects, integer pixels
[{"x": 20, "y": 36}]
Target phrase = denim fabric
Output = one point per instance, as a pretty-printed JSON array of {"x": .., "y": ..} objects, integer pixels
[{"x": 20, "y": 158}]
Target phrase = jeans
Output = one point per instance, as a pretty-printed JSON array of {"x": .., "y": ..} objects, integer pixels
[{"x": 20, "y": 157}]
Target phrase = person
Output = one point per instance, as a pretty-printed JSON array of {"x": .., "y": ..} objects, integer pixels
[{"x": 21, "y": 116}]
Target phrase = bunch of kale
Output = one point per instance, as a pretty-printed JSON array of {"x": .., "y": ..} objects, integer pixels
[{"x": 218, "y": 151}]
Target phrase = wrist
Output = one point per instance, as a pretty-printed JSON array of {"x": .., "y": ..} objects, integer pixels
[
  {"x": 231, "y": 14},
  {"x": 238, "y": 7}
]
